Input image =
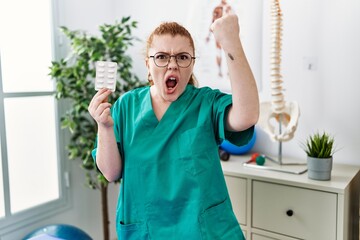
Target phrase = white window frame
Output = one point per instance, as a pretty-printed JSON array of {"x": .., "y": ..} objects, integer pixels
[{"x": 12, "y": 222}]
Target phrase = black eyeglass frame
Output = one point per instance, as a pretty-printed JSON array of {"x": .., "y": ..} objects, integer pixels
[{"x": 174, "y": 56}]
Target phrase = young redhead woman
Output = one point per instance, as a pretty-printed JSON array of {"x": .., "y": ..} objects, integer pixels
[{"x": 162, "y": 140}]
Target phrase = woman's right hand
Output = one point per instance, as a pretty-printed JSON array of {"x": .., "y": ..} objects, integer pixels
[{"x": 99, "y": 108}]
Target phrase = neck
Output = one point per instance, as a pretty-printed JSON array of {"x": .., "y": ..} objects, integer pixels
[{"x": 159, "y": 104}]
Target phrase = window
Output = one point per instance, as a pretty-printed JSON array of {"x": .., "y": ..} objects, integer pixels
[
  {"x": 2, "y": 206},
  {"x": 30, "y": 176}
]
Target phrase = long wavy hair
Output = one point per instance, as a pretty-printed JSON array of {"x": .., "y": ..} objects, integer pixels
[{"x": 172, "y": 28}]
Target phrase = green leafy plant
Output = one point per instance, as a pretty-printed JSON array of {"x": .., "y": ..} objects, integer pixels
[
  {"x": 319, "y": 145},
  {"x": 74, "y": 77}
]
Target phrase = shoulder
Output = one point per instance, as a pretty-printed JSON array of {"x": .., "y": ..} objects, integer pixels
[
  {"x": 207, "y": 93},
  {"x": 135, "y": 93},
  {"x": 132, "y": 96},
  {"x": 199, "y": 91}
]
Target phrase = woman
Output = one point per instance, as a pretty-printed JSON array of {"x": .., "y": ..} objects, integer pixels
[{"x": 162, "y": 140}]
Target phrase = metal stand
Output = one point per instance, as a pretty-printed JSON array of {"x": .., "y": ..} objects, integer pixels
[
  {"x": 280, "y": 142},
  {"x": 291, "y": 166},
  {"x": 279, "y": 161}
]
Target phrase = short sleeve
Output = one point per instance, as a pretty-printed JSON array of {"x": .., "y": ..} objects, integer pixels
[{"x": 221, "y": 106}]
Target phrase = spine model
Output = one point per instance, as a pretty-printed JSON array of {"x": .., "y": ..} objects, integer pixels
[
  {"x": 277, "y": 96},
  {"x": 284, "y": 114}
]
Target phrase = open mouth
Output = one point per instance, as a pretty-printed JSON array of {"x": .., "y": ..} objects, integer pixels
[{"x": 171, "y": 83}]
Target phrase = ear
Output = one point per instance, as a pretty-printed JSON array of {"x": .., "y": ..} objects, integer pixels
[{"x": 147, "y": 63}]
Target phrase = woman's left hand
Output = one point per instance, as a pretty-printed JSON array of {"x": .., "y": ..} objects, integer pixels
[{"x": 226, "y": 31}]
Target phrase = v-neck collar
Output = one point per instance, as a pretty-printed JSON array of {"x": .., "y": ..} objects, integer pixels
[{"x": 174, "y": 109}]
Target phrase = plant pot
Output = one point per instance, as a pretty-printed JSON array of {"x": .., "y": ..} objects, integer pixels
[{"x": 319, "y": 168}]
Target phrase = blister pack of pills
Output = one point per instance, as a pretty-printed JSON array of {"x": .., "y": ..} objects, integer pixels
[{"x": 105, "y": 75}]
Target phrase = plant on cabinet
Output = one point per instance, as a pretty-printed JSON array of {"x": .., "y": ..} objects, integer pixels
[{"x": 319, "y": 149}]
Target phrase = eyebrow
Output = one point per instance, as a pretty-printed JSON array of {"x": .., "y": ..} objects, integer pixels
[{"x": 172, "y": 54}]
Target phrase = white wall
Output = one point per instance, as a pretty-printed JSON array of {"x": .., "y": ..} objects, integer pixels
[{"x": 327, "y": 30}]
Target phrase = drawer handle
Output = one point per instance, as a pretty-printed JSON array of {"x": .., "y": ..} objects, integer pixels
[{"x": 289, "y": 212}]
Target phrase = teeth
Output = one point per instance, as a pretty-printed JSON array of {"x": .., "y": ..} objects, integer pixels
[{"x": 171, "y": 82}]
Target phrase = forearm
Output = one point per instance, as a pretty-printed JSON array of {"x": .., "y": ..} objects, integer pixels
[
  {"x": 108, "y": 158},
  {"x": 244, "y": 112}
]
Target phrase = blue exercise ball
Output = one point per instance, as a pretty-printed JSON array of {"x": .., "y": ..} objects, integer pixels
[
  {"x": 61, "y": 231},
  {"x": 236, "y": 150}
]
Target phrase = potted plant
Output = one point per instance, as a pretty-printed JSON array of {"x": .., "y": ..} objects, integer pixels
[
  {"x": 74, "y": 78},
  {"x": 319, "y": 149}
]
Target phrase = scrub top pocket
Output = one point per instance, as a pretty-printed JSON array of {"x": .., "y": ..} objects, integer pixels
[
  {"x": 219, "y": 222},
  {"x": 195, "y": 148},
  {"x": 134, "y": 231}
]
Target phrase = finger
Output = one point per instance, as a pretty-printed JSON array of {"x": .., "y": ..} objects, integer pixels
[
  {"x": 101, "y": 91},
  {"x": 101, "y": 108},
  {"x": 212, "y": 27},
  {"x": 105, "y": 116},
  {"x": 98, "y": 93},
  {"x": 103, "y": 97},
  {"x": 99, "y": 97}
]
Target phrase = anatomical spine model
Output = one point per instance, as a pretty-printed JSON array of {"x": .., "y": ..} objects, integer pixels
[{"x": 284, "y": 114}]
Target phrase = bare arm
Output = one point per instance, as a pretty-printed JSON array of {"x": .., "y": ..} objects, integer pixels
[
  {"x": 108, "y": 157},
  {"x": 244, "y": 112}
]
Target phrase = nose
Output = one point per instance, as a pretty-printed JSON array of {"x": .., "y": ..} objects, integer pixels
[{"x": 172, "y": 63}]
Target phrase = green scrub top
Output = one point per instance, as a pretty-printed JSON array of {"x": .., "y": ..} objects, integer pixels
[{"x": 172, "y": 184}]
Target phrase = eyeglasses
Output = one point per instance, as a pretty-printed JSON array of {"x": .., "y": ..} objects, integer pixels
[{"x": 183, "y": 59}]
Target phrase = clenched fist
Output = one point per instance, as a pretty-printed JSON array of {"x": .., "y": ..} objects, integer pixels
[{"x": 226, "y": 31}]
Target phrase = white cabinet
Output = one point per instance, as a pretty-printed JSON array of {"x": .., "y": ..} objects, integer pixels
[
  {"x": 238, "y": 187},
  {"x": 294, "y": 211},
  {"x": 281, "y": 206}
]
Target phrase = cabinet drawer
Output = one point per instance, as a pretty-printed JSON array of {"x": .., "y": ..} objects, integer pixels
[
  {"x": 293, "y": 211},
  {"x": 237, "y": 191},
  {"x": 260, "y": 237},
  {"x": 263, "y": 237}
]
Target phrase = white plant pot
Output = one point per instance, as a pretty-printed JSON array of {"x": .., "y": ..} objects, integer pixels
[{"x": 319, "y": 168}]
